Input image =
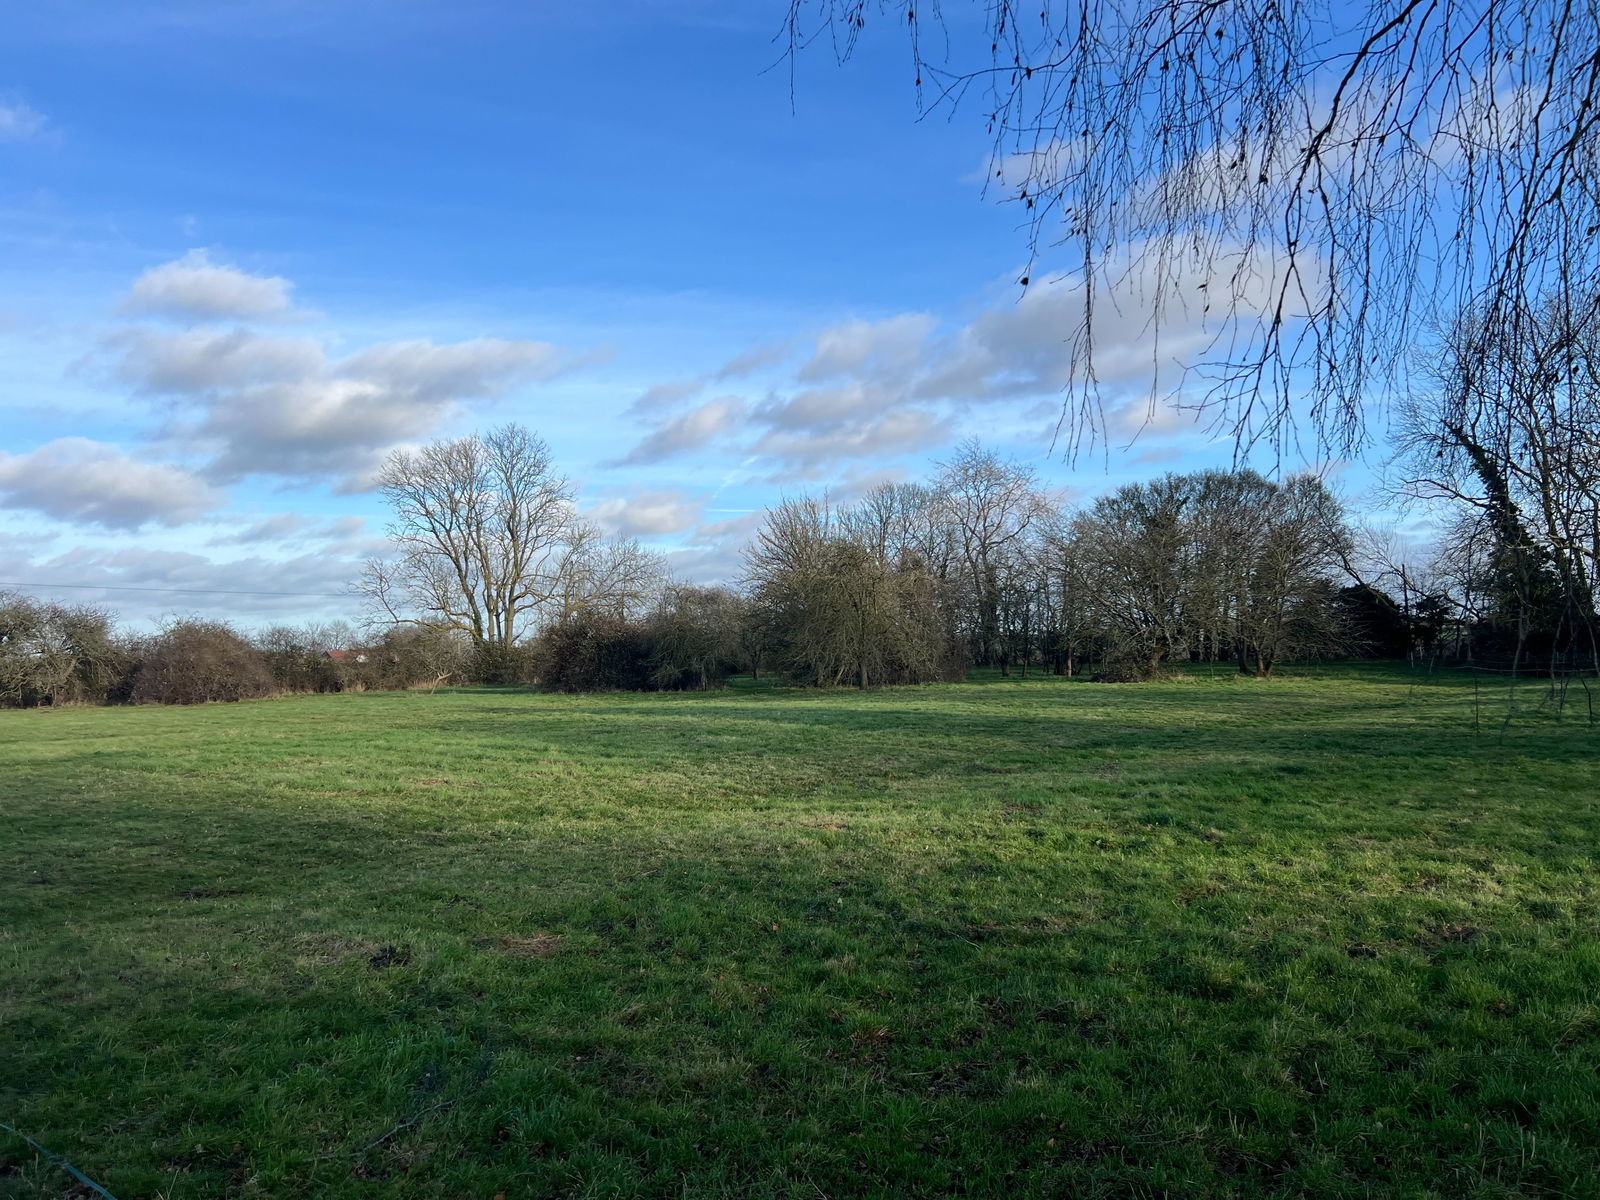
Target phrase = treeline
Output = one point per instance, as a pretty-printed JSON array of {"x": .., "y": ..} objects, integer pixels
[
  {"x": 979, "y": 565},
  {"x": 54, "y": 654},
  {"x": 685, "y": 638},
  {"x": 982, "y": 565}
]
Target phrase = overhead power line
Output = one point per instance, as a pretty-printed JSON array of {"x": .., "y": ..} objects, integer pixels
[{"x": 123, "y": 587}]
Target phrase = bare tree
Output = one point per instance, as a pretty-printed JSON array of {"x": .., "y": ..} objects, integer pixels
[
  {"x": 616, "y": 577},
  {"x": 1510, "y": 432},
  {"x": 1137, "y": 552},
  {"x": 1067, "y": 610},
  {"x": 904, "y": 521},
  {"x": 1310, "y": 183},
  {"x": 1383, "y": 561},
  {"x": 836, "y": 609},
  {"x": 990, "y": 504},
  {"x": 483, "y": 529},
  {"x": 1462, "y": 569},
  {"x": 1282, "y": 544},
  {"x": 1214, "y": 564},
  {"x": 489, "y": 542}
]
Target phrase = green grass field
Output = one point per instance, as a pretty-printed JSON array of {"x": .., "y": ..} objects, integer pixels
[{"x": 1215, "y": 937}]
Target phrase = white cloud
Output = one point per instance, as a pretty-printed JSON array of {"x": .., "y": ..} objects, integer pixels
[
  {"x": 738, "y": 529},
  {"x": 648, "y": 513},
  {"x": 484, "y": 366},
  {"x": 857, "y": 482},
  {"x": 768, "y": 354},
  {"x": 20, "y": 123},
  {"x": 1155, "y": 415},
  {"x": 85, "y": 482},
  {"x": 277, "y": 528},
  {"x": 864, "y": 349},
  {"x": 281, "y": 406},
  {"x": 693, "y": 430},
  {"x": 665, "y": 395},
  {"x": 202, "y": 360},
  {"x": 1157, "y": 456},
  {"x": 890, "y": 387},
  {"x": 147, "y": 584},
  {"x": 825, "y": 408},
  {"x": 714, "y": 552},
  {"x": 896, "y": 432},
  {"x": 346, "y": 536},
  {"x": 194, "y": 286}
]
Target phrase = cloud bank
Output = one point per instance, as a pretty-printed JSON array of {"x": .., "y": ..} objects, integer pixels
[
  {"x": 90, "y": 483},
  {"x": 265, "y": 404}
]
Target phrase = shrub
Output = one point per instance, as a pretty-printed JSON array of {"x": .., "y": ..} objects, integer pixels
[
  {"x": 501, "y": 664},
  {"x": 591, "y": 653},
  {"x": 697, "y": 638},
  {"x": 297, "y": 659},
  {"x": 55, "y": 654},
  {"x": 1120, "y": 668},
  {"x": 407, "y": 656},
  {"x": 196, "y": 662}
]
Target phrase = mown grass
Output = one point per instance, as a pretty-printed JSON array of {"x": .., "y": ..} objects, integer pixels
[{"x": 1310, "y": 937}]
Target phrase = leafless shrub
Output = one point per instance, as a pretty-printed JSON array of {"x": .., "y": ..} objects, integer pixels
[
  {"x": 53, "y": 654},
  {"x": 697, "y": 638},
  {"x": 196, "y": 662},
  {"x": 591, "y": 652}
]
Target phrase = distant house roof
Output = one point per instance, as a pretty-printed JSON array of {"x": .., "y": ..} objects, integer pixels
[{"x": 355, "y": 656}]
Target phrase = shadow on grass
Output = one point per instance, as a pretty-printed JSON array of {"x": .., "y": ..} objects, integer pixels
[
  {"x": 712, "y": 1012},
  {"x": 961, "y": 941}
]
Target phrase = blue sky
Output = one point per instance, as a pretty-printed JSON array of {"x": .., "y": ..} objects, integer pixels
[{"x": 248, "y": 248}]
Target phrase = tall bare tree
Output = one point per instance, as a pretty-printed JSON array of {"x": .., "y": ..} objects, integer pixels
[
  {"x": 1214, "y": 564},
  {"x": 1137, "y": 552},
  {"x": 488, "y": 541},
  {"x": 990, "y": 504},
  {"x": 1274, "y": 551},
  {"x": 1067, "y": 610}
]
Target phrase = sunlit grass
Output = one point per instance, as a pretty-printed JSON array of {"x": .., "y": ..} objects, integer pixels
[{"x": 1325, "y": 935}]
